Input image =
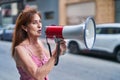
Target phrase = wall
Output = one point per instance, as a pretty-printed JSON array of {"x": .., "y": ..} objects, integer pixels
[
  {"x": 104, "y": 12},
  {"x": 48, "y": 6}
]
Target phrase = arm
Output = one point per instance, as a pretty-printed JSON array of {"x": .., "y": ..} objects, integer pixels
[{"x": 28, "y": 64}]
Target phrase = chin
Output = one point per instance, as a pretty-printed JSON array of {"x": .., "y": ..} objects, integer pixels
[{"x": 39, "y": 35}]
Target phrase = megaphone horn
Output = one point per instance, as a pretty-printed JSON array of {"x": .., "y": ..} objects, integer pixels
[{"x": 85, "y": 32}]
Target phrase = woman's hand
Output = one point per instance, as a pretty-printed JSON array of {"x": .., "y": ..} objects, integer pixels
[{"x": 62, "y": 47}]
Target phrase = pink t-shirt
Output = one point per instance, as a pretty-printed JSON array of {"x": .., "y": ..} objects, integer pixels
[{"x": 39, "y": 63}]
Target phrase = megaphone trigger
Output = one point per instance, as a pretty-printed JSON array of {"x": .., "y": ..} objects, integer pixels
[{"x": 56, "y": 39}]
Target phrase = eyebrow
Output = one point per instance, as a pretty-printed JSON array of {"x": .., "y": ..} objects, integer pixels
[{"x": 37, "y": 20}]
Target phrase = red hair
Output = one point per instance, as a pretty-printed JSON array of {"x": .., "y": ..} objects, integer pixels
[{"x": 24, "y": 18}]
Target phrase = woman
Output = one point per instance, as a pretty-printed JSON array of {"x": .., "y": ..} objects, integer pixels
[{"x": 32, "y": 59}]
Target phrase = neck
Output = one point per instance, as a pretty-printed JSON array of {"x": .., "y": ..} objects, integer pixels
[{"x": 33, "y": 41}]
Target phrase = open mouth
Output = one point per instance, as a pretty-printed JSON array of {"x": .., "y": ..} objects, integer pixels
[{"x": 39, "y": 31}]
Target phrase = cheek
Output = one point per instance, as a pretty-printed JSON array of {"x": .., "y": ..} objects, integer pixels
[{"x": 32, "y": 28}]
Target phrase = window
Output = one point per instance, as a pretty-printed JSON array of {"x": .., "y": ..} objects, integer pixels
[
  {"x": 6, "y": 10},
  {"x": 77, "y": 13},
  {"x": 108, "y": 31},
  {"x": 49, "y": 15},
  {"x": 9, "y": 13}
]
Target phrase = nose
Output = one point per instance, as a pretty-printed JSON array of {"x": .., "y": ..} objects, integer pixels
[{"x": 39, "y": 25}]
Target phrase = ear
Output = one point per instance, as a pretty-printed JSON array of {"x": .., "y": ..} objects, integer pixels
[{"x": 24, "y": 28}]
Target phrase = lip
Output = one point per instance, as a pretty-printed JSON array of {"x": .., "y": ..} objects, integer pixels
[{"x": 39, "y": 31}]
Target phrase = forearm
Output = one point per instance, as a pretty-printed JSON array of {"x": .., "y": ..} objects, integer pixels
[
  {"x": 42, "y": 72},
  {"x": 46, "y": 68}
]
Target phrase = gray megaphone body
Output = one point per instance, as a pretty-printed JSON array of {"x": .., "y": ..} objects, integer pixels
[{"x": 85, "y": 32}]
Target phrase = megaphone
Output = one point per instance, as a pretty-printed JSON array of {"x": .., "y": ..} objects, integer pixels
[{"x": 85, "y": 32}]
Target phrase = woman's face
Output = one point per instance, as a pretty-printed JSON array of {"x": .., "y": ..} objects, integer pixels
[{"x": 34, "y": 28}]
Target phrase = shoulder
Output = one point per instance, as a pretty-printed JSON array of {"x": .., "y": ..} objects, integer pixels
[
  {"x": 21, "y": 46},
  {"x": 20, "y": 49},
  {"x": 22, "y": 53}
]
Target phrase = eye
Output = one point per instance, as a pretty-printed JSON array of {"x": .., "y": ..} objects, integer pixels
[{"x": 34, "y": 22}]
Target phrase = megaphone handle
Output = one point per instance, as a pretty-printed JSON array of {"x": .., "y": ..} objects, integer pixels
[{"x": 58, "y": 52}]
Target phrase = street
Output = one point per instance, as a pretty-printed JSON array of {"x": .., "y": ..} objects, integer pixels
[{"x": 70, "y": 67}]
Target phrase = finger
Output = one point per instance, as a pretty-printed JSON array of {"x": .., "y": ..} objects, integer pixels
[{"x": 62, "y": 42}]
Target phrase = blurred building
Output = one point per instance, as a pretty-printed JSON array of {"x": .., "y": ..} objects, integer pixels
[
  {"x": 9, "y": 10},
  {"x": 75, "y": 11},
  {"x": 63, "y": 12}
]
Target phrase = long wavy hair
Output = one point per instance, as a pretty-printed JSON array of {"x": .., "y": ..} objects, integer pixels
[{"x": 23, "y": 19}]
